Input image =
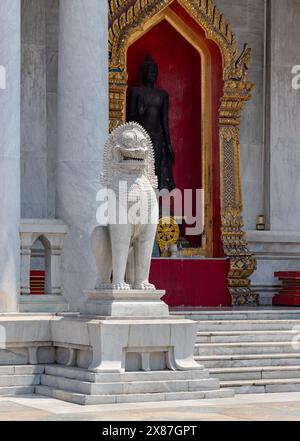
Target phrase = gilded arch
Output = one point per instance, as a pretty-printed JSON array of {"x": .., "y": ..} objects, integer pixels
[{"x": 128, "y": 17}]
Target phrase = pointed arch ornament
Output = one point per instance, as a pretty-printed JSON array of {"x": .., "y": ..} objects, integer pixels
[{"x": 128, "y": 17}]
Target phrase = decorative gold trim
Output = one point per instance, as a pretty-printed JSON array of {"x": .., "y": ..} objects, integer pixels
[
  {"x": 191, "y": 252},
  {"x": 131, "y": 18},
  {"x": 243, "y": 263},
  {"x": 237, "y": 91},
  {"x": 126, "y": 16}
]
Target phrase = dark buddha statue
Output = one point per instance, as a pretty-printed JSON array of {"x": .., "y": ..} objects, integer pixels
[{"x": 149, "y": 106}]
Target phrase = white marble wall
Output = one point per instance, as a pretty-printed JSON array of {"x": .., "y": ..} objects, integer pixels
[
  {"x": 279, "y": 248},
  {"x": 270, "y": 167},
  {"x": 10, "y": 51},
  {"x": 284, "y": 117},
  {"x": 274, "y": 251},
  {"x": 82, "y": 132},
  {"x": 247, "y": 18}
]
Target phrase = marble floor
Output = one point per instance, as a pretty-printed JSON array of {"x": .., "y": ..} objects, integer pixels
[{"x": 263, "y": 407}]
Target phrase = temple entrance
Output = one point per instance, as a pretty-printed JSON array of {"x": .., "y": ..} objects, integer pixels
[
  {"x": 207, "y": 85},
  {"x": 185, "y": 73},
  {"x": 190, "y": 71}
]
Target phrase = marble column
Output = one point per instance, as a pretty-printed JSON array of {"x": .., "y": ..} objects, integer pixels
[
  {"x": 34, "y": 158},
  {"x": 10, "y": 53},
  {"x": 284, "y": 117},
  {"x": 82, "y": 131},
  {"x": 52, "y": 23}
]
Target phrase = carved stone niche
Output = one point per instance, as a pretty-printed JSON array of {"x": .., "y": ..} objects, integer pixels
[{"x": 51, "y": 234}]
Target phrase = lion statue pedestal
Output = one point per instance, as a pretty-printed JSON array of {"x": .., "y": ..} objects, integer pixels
[
  {"x": 137, "y": 350},
  {"x": 125, "y": 347},
  {"x": 135, "y": 332}
]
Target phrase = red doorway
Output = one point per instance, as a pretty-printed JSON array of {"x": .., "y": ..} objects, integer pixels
[{"x": 180, "y": 74}]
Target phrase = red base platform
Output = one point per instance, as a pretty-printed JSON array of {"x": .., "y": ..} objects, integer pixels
[
  {"x": 192, "y": 282},
  {"x": 289, "y": 295}
]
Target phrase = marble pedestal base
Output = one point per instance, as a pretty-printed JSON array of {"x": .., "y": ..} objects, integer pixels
[
  {"x": 131, "y": 303},
  {"x": 123, "y": 347},
  {"x": 143, "y": 345},
  {"x": 133, "y": 330},
  {"x": 131, "y": 350}
]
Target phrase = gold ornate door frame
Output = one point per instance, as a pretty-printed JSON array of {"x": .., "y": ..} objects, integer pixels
[
  {"x": 205, "y": 122},
  {"x": 128, "y": 18}
]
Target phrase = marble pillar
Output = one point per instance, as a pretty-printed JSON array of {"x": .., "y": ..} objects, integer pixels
[
  {"x": 10, "y": 53},
  {"x": 52, "y": 23},
  {"x": 82, "y": 132},
  {"x": 284, "y": 117},
  {"x": 34, "y": 111}
]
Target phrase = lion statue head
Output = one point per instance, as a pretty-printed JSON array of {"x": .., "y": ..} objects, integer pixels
[{"x": 128, "y": 151}]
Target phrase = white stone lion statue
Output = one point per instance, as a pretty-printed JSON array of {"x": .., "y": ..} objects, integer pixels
[{"x": 123, "y": 249}]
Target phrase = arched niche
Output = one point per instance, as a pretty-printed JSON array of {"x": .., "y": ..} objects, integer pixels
[
  {"x": 40, "y": 266},
  {"x": 129, "y": 21}
]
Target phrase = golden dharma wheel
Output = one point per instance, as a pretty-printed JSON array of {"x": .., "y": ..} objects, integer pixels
[{"x": 167, "y": 232}]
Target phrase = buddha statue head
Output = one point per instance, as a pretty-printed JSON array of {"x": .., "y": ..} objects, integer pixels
[{"x": 149, "y": 71}]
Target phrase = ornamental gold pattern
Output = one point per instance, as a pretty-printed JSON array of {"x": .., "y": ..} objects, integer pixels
[
  {"x": 237, "y": 91},
  {"x": 126, "y": 19},
  {"x": 243, "y": 263},
  {"x": 167, "y": 232}
]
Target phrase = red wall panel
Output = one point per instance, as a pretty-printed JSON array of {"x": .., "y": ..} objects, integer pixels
[{"x": 192, "y": 282}]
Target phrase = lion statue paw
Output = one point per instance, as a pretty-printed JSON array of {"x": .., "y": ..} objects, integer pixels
[
  {"x": 145, "y": 286},
  {"x": 120, "y": 286}
]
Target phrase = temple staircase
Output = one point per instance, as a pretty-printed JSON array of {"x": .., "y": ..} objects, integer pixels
[
  {"x": 82, "y": 387},
  {"x": 19, "y": 380},
  {"x": 246, "y": 350},
  {"x": 251, "y": 351}
]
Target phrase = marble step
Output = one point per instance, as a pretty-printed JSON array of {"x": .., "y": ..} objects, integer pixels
[
  {"x": 245, "y": 348},
  {"x": 247, "y": 325},
  {"x": 86, "y": 376},
  {"x": 16, "y": 390},
  {"x": 249, "y": 360},
  {"x": 19, "y": 380},
  {"x": 133, "y": 387},
  {"x": 84, "y": 399},
  {"x": 240, "y": 314},
  {"x": 245, "y": 336},
  {"x": 21, "y": 370},
  {"x": 263, "y": 386},
  {"x": 256, "y": 373}
]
